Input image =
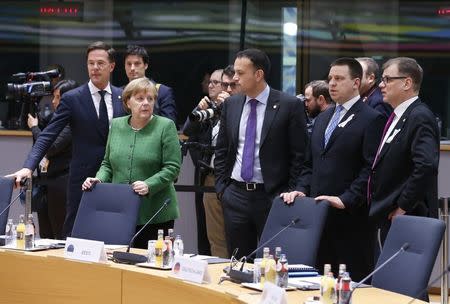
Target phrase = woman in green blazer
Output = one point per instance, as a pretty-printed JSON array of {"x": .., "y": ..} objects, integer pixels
[{"x": 143, "y": 150}]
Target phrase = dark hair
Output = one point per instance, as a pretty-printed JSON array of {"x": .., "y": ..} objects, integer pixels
[
  {"x": 407, "y": 67},
  {"x": 138, "y": 51},
  {"x": 100, "y": 45},
  {"x": 258, "y": 58},
  {"x": 372, "y": 65},
  {"x": 320, "y": 87},
  {"x": 354, "y": 66},
  {"x": 229, "y": 71},
  {"x": 65, "y": 85}
]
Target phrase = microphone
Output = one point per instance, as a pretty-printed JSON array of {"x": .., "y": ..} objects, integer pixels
[
  {"x": 240, "y": 276},
  {"x": 23, "y": 182},
  {"x": 133, "y": 258},
  {"x": 420, "y": 293},
  {"x": 402, "y": 249}
]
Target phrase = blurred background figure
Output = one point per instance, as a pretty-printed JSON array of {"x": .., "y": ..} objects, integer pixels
[
  {"x": 369, "y": 90},
  {"x": 317, "y": 99}
]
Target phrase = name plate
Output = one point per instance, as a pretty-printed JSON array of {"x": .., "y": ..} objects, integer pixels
[
  {"x": 272, "y": 294},
  {"x": 85, "y": 250},
  {"x": 191, "y": 270}
]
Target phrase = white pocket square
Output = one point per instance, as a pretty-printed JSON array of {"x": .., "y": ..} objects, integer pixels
[
  {"x": 342, "y": 124},
  {"x": 390, "y": 138}
]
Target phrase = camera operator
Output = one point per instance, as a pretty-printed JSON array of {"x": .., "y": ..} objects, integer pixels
[{"x": 203, "y": 128}]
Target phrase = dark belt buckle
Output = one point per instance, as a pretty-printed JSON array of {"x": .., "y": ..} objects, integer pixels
[{"x": 250, "y": 186}]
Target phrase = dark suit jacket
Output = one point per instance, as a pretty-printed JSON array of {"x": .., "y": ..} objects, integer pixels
[
  {"x": 88, "y": 142},
  {"x": 405, "y": 174},
  {"x": 60, "y": 152},
  {"x": 375, "y": 101},
  {"x": 165, "y": 103},
  {"x": 283, "y": 141},
  {"x": 343, "y": 166}
]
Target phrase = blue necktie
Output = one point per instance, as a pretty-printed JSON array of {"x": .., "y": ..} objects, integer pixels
[
  {"x": 333, "y": 124},
  {"x": 248, "y": 156}
]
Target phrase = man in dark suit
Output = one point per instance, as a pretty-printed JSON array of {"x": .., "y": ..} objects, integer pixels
[
  {"x": 342, "y": 149},
  {"x": 259, "y": 151},
  {"x": 89, "y": 110},
  {"x": 369, "y": 90},
  {"x": 404, "y": 174},
  {"x": 136, "y": 63}
]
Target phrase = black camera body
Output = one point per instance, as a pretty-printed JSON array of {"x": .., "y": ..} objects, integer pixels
[
  {"x": 204, "y": 115},
  {"x": 31, "y": 84},
  {"x": 24, "y": 93}
]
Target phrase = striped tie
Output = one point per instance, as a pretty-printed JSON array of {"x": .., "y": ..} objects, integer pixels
[{"x": 333, "y": 124}]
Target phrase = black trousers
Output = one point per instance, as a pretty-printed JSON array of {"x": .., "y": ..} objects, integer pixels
[
  {"x": 245, "y": 213},
  {"x": 151, "y": 233},
  {"x": 51, "y": 214}
]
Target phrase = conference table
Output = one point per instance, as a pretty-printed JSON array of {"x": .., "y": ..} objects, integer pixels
[{"x": 47, "y": 277}]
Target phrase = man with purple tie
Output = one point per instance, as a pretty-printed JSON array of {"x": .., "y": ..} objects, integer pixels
[
  {"x": 403, "y": 178},
  {"x": 259, "y": 152}
]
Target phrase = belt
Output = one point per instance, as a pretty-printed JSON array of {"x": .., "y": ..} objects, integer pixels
[{"x": 248, "y": 186}]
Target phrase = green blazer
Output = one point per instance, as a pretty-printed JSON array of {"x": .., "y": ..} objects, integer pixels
[{"x": 152, "y": 155}]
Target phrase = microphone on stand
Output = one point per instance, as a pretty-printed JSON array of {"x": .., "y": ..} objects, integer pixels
[
  {"x": 402, "y": 249},
  {"x": 133, "y": 258},
  {"x": 22, "y": 183},
  {"x": 240, "y": 276}
]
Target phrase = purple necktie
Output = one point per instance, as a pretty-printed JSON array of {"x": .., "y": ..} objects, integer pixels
[
  {"x": 386, "y": 128},
  {"x": 248, "y": 156}
]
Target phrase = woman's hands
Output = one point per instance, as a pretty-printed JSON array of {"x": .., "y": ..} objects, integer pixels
[
  {"x": 140, "y": 187},
  {"x": 89, "y": 183}
]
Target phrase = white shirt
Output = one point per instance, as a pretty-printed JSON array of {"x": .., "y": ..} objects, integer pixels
[
  {"x": 260, "y": 111},
  {"x": 96, "y": 98},
  {"x": 346, "y": 106},
  {"x": 399, "y": 111}
]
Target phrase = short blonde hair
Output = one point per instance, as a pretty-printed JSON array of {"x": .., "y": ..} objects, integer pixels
[{"x": 137, "y": 86}]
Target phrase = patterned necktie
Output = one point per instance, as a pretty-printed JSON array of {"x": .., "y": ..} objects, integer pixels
[
  {"x": 103, "y": 114},
  {"x": 248, "y": 156},
  {"x": 386, "y": 128},
  {"x": 333, "y": 124}
]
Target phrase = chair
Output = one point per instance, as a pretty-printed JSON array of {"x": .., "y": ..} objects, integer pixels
[
  {"x": 410, "y": 271},
  {"x": 107, "y": 213},
  {"x": 6, "y": 189},
  {"x": 301, "y": 241}
]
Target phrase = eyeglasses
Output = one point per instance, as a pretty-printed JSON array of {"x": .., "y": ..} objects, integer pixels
[
  {"x": 225, "y": 85},
  {"x": 214, "y": 82},
  {"x": 387, "y": 79}
]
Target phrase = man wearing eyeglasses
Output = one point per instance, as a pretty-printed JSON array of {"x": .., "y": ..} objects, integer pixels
[
  {"x": 403, "y": 178},
  {"x": 89, "y": 110},
  {"x": 205, "y": 132}
]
